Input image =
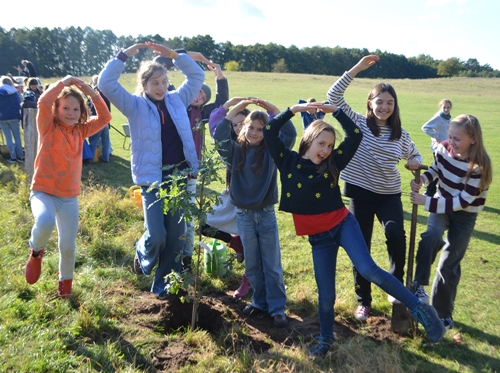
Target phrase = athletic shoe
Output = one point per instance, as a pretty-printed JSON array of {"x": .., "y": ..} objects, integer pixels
[
  {"x": 20, "y": 159},
  {"x": 244, "y": 288},
  {"x": 428, "y": 317},
  {"x": 137, "y": 266},
  {"x": 322, "y": 348},
  {"x": 392, "y": 300},
  {"x": 11, "y": 160},
  {"x": 34, "y": 266},
  {"x": 448, "y": 323},
  {"x": 362, "y": 312},
  {"x": 420, "y": 293}
]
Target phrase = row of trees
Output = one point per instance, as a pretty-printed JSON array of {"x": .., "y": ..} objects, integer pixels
[{"x": 58, "y": 52}]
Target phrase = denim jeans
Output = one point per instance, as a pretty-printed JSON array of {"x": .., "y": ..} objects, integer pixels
[
  {"x": 460, "y": 226},
  {"x": 102, "y": 135},
  {"x": 49, "y": 211},
  {"x": 389, "y": 211},
  {"x": 325, "y": 247},
  {"x": 259, "y": 233},
  {"x": 11, "y": 128},
  {"x": 161, "y": 243}
]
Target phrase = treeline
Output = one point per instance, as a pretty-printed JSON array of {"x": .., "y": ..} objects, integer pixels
[{"x": 58, "y": 52}]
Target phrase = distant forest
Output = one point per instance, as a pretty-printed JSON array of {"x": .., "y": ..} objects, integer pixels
[{"x": 83, "y": 52}]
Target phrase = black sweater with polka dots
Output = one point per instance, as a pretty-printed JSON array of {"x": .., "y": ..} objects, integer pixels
[{"x": 305, "y": 190}]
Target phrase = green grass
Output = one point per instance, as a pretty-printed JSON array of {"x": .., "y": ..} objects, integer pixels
[{"x": 40, "y": 333}]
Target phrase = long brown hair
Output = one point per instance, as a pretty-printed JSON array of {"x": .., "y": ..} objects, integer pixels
[
  {"x": 67, "y": 92},
  {"x": 309, "y": 135},
  {"x": 394, "y": 121},
  {"x": 478, "y": 157},
  {"x": 244, "y": 144}
]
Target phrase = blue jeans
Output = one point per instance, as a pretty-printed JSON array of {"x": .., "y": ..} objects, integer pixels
[
  {"x": 11, "y": 128},
  {"x": 161, "y": 243},
  {"x": 258, "y": 231},
  {"x": 50, "y": 211},
  {"x": 325, "y": 247},
  {"x": 102, "y": 135},
  {"x": 460, "y": 226},
  {"x": 389, "y": 212}
]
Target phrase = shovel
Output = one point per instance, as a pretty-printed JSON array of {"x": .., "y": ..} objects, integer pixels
[{"x": 402, "y": 322}]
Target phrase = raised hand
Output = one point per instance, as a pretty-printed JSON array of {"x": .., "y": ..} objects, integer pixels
[
  {"x": 363, "y": 64},
  {"x": 134, "y": 49}
]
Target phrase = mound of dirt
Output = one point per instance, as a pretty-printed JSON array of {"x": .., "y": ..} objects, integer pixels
[{"x": 220, "y": 311}]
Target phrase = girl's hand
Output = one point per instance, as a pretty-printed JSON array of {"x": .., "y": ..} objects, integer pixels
[
  {"x": 417, "y": 199},
  {"x": 301, "y": 107},
  {"x": 325, "y": 108},
  {"x": 134, "y": 49},
  {"x": 237, "y": 108},
  {"x": 363, "y": 64},
  {"x": 412, "y": 164},
  {"x": 197, "y": 56},
  {"x": 414, "y": 186},
  {"x": 71, "y": 80},
  {"x": 266, "y": 105},
  {"x": 86, "y": 89},
  {"x": 233, "y": 101},
  {"x": 216, "y": 69},
  {"x": 161, "y": 50}
]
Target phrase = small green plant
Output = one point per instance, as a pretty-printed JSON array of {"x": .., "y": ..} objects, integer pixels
[
  {"x": 232, "y": 66},
  {"x": 176, "y": 196}
]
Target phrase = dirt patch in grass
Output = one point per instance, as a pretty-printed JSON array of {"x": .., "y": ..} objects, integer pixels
[{"x": 219, "y": 313}]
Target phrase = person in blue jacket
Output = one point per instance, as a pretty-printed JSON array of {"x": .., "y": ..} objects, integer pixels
[
  {"x": 160, "y": 135},
  {"x": 10, "y": 106}
]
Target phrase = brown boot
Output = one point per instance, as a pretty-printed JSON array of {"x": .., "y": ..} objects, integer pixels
[
  {"x": 34, "y": 266},
  {"x": 65, "y": 288},
  {"x": 237, "y": 246}
]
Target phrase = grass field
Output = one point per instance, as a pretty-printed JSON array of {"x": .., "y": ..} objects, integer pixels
[{"x": 40, "y": 333}]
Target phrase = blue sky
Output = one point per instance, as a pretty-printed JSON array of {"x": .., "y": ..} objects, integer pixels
[{"x": 439, "y": 28}]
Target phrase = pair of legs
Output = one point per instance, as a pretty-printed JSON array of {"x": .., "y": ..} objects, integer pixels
[
  {"x": 259, "y": 233},
  {"x": 160, "y": 245},
  {"x": 389, "y": 211},
  {"x": 11, "y": 129},
  {"x": 50, "y": 211},
  {"x": 324, "y": 250},
  {"x": 103, "y": 136},
  {"x": 460, "y": 226}
]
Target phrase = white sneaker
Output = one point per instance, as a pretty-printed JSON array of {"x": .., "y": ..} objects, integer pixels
[
  {"x": 420, "y": 293},
  {"x": 362, "y": 313},
  {"x": 393, "y": 300}
]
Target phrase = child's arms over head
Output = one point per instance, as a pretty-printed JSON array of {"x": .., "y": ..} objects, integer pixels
[
  {"x": 304, "y": 106},
  {"x": 266, "y": 105},
  {"x": 134, "y": 49},
  {"x": 219, "y": 113}
]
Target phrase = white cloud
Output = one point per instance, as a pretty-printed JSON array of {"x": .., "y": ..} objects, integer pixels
[
  {"x": 435, "y": 16},
  {"x": 438, "y": 3},
  {"x": 250, "y": 10}
]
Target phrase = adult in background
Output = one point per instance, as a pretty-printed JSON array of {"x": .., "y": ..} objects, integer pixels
[
  {"x": 28, "y": 69},
  {"x": 10, "y": 105}
]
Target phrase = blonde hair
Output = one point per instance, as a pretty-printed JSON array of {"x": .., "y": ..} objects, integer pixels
[
  {"x": 146, "y": 70},
  {"x": 444, "y": 101},
  {"x": 309, "y": 135},
  {"x": 478, "y": 157}
]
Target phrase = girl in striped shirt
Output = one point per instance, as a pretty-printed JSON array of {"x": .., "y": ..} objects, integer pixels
[
  {"x": 463, "y": 169},
  {"x": 372, "y": 180}
]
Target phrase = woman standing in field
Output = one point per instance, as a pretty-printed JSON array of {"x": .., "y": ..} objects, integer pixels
[
  {"x": 437, "y": 129},
  {"x": 160, "y": 135},
  {"x": 372, "y": 180}
]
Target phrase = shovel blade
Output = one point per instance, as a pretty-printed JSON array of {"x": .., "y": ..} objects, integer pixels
[{"x": 402, "y": 322}]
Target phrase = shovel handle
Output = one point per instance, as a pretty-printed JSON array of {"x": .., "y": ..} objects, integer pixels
[{"x": 413, "y": 231}]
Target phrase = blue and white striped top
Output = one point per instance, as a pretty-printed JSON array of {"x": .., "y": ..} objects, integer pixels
[{"x": 374, "y": 166}]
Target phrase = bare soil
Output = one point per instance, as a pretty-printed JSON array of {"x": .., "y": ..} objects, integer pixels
[{"x": 218, "y": 312}]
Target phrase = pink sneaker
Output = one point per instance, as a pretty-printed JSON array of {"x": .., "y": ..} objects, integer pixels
[
  {"x": 362, "y": 312},
  {"x": 244, "y": 288}
]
